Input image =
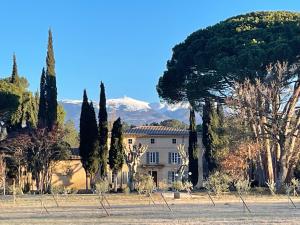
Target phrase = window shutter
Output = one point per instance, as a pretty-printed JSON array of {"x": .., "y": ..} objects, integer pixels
[
  {"x": 178, "y": 159},
  {"x": 169, "y": 157},
  {"x": 157, "y": 157},
  {"x": 147, "y": 158}
]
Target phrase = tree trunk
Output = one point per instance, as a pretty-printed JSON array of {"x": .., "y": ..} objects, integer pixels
[
  {"x": 116, "y": 182},
  {"x": 86, "y": 181}
]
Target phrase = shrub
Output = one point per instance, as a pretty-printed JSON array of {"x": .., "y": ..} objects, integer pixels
[
  {"x": 188, "y": 186},
  {"x": 144, "y": 183},
  {"x": 217, "y": 183},
  {"x": 102, "y": 186},
  {"x": 243, "y": 186},
  {"x": 163, "y": 185},
  {"x": 126, "y": 190},
  {"x": 59, "y": 189},
  {"x": 177, "y": 185},
  {"x": 294, "y": 185}
]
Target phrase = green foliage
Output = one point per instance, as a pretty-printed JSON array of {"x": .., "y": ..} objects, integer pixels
[
  {"x": 174, "y": 124},
  {"x": 51, "y": 101},
  {"x": 14, "y": 75},
  {"x": 103, "y": 132},
  {"x": 217, "y": 183},
  {"x": 234, "y": 49},
  {"x": 17, "y": 104},
  {"x": 102, "y": 186},
  {"x": 50, "y": 61},
  {"x": 177, "y": 185},
  {"x": 89, "y": 145},
  {"x": 42, "y": 114},
  {"x": 243, "y": 186},
  {"x": 144, "y": 183},
  {"x": 70, "y": 134},
  {"x": 116, "y": 153},
  {"x": 193, "y": 149},
  {"x": 61, "y": 115},
  {"x": 215, "y": 139}
]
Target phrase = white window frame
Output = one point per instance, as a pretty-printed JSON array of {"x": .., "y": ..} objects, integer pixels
[
  {"x": 130, "y": 141},
  {"x": 152, "y": 141},
  {"x": 173, "y": 173},
  {"x": 175, "y": 158},
  {"x": 174, "y": 141},
  {"x": 152, "y": 158}
]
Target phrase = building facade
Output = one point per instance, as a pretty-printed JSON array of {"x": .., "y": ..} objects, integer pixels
[{"x": 161, "y": 159}]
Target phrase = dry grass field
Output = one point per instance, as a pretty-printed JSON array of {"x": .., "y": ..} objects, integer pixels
[{"x": 133, "y": 209}]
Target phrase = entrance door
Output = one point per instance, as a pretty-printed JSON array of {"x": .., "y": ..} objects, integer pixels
[{"x": 154, "y": 176}]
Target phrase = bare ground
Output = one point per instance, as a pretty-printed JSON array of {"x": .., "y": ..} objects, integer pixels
[{"x": 133, "y": 209}]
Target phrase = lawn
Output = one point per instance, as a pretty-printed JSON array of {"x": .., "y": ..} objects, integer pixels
[{"x": 133, "y": 209}]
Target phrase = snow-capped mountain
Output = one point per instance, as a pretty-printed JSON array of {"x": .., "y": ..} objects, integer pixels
[{"x": 132, "y": 111}]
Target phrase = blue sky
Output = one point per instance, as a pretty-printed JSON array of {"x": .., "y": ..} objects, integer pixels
[{"x": 126, "y": 44}]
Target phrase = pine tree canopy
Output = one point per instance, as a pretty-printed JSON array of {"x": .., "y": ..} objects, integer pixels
[{"x": 240, "y": 47}]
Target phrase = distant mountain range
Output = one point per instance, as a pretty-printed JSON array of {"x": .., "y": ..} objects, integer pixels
[{"x": 132, "y": 111}]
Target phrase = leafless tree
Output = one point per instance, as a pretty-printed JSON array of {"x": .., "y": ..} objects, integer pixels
[{"x": 133, "y": 159}]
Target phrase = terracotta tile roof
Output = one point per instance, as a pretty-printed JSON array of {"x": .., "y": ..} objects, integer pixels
[{"x": 156, "y": 131}]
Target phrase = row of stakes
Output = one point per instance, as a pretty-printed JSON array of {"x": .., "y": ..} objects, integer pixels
[{"x": 105, "y": 205}]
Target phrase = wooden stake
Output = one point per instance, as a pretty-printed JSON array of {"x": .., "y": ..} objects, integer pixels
[
  {"x": 55, "y": 200},
  {"x": 103, "y": 196},
  {"x": 163, "y": 197},
  {"x": 289, "y": 198},
  {"x": 150, "y": 196},
  {"x": 43, "y": 207},
  {"x": 244, "y": 203},
  {"x": 103, "y": 207},
  {"x": 211, "y": 199}
]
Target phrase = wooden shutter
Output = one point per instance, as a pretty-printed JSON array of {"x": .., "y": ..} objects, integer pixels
[
  {"x": 157, "y": 157},
  {"x": 147, "y": 158}
]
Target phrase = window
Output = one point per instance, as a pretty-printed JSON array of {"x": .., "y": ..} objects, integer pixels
[
  {"x": 129, "y": 141},
  {"x": 152, "y": 141},
  {"x": 174, "y": 158},
  {"x": 171, "y": 176},
  {"x": 152, "y": 157},
  {"x": 174, "y": 140}
]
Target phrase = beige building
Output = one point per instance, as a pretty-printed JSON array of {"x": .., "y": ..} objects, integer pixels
[{"x": 161, "y": 159}]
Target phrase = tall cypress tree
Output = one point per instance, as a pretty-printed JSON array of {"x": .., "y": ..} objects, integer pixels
[
  {"x": 83, "y": 134},
  {"x": 103, "y": 132},
  {"x": 93, "y": 135},
  {"x": 14, "y": 74},
  {"x": 214, "y": 137},
  {"x": 51, "y": 89},
  {"x": 42, "y": 114},
  {"x": 116, "y": 152},
  {"x": 193, "y": 149}
]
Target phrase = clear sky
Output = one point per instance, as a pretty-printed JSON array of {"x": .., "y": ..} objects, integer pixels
[{"x": 126, "y": 44}]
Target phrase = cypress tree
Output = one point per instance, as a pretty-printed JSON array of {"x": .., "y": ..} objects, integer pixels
[
  {"x": 116, "y": 152},
  {"x": 193, "y": 149},
  {"x": 51, "y": 89},
  {"x": 214, "y": 137},
  {"x": 89, "y": 145},
  {"x": 83, "y": 134},
  {"x": 42, "y": 113},
  {"x": 14, "y": 74},
  {"x": 103, "y": 132},
  {"x": 93, "y": 156}
]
